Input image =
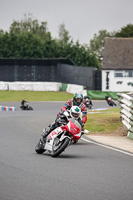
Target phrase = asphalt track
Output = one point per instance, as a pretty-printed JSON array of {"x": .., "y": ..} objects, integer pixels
[{"x": 85, "y": 171}]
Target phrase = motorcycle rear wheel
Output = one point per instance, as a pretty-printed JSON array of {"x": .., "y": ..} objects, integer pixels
[
  {"x": 40, "y": 147},
  {"x": 56, "y": 152}
]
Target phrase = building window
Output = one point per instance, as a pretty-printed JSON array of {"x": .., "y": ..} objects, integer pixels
[
  {"x": 128, "y": 73},
  {"x": 123, "y": 73},
  {"x": 118, "y": 73}
]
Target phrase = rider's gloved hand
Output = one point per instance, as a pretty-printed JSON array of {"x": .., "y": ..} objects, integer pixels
[
  {"x": 82, "y": 124},
  {"x": 80, "y": 121},
  {"x": 60, "y": 113},
  {"x": 66, "y": 113}
]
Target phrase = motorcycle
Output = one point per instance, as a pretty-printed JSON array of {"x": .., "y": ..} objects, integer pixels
[
  {"x": 111, "y": 102},
  {"x": 88, "y": 103},
  {"x": 60, "y": 138},
  {"x": 26, "y": 107}
]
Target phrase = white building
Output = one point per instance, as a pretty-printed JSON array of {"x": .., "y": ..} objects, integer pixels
[{"x": 117, "y": 65}]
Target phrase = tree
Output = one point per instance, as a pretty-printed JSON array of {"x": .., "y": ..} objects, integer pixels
[
  {"x": 1, "y": 32},
  {"x": 126, "y": 31},
  {"x": 63, "y": 34},
  {"x": 28, "y": 24},
  {"x": 97, "y": 44},
  {"x": 30, "y": 39}
]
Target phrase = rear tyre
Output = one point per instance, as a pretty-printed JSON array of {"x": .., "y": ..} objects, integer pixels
[
  {"x": 57, "y": 151},
  {"x": 40, "y": 147}
]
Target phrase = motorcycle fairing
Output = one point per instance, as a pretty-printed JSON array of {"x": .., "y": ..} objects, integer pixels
[
  {"x": 55, "y": 133},
  {"x": 51, "y": 137},
  {"x": 74, "y": 128}
]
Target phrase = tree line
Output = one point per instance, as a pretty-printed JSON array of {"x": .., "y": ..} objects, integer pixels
[{"x": 30, "y": 39}]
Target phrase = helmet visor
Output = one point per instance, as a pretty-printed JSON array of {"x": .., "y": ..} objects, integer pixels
[
  {"x": 78, "y": 100},
  {"x": 75, "y": 115}
]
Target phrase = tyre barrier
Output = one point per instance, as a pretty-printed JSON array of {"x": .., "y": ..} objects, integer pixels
[
  {"x": 126, "y": 110},
  {"x": 5, "y": 108}
]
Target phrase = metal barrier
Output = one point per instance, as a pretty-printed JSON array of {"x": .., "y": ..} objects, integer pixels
[{"x": 126, "y": 110}]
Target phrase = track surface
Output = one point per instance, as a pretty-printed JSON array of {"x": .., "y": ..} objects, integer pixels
[{"x": 84, "y": 171}]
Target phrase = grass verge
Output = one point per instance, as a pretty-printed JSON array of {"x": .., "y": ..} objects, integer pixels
[
  {"x": 107, "y": 122},
  {"x": 8, "y": 96}
]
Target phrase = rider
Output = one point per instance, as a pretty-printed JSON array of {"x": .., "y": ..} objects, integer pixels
[
  {"x": 23, "y": 103},
  {"x": 109, "y": 100},
  {"x": 86, "y": 99},
  {"x": 76, "y": 101}
]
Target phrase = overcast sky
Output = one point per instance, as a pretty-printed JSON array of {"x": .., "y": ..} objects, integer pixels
[{"x": 82, "y": 18}]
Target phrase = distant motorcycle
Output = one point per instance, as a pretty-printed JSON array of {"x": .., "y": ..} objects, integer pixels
[
  {"x": 88, "y": 102},
  {"x": 26, "y": 106},
  {"x": 110, "y": 101},
  {"x": 60, "y": 138}
]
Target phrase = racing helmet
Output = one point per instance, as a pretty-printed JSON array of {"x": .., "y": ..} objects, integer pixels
[
  {"x": 75, "y": 112},
  {"x": 77, "y": 99}
]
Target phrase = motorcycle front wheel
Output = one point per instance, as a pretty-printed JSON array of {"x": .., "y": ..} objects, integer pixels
[
  {"x": 57, "y": 150},
  {"x": 30, "y": 108},
  {"x": 40, "y": 147}
]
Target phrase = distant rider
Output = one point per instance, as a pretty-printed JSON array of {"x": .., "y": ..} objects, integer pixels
[
  {"x": 110, "y": 101},
  {"x": 87, "y": 101},
  {"x": 23, "y": 103},
  {"x": 76, "y": 101}
]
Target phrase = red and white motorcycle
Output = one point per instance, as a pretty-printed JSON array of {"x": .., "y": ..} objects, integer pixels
[{"x": 61, "y": 137}]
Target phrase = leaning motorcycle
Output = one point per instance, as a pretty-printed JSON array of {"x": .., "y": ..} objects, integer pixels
[
  {"x": 111, "y": 102},
  {"x": 60, "y": 138},
  {"x": 26, "y": 107},
  {"x": 88, "y": 105}
]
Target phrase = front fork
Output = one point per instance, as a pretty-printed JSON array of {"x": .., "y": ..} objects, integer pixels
[{"x": 64, "y": 135}]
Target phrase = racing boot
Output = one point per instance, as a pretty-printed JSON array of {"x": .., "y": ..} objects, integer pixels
[{"x": 45, "y": 134}]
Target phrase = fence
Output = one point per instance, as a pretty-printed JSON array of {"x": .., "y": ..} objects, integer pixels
[
  {"x": 126, "y": 110},
  {"x": 49, "y": 70}
]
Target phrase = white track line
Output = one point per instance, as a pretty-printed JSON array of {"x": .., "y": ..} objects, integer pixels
[{"x": 108, "y": 147}]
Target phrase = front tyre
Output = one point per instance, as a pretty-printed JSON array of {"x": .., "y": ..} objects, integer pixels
[
  {"x": 40, "y": 147},
  {"x": 57, "y": 151},
  {"x": 30, "y": 108}
]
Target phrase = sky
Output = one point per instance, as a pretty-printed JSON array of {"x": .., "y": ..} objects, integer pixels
[{"x": 82, "y": 18}]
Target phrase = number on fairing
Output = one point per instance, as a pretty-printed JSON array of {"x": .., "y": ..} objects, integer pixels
[{"x": 58, "y": 130}]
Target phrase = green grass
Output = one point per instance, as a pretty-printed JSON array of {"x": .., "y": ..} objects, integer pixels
[
  {"x": 8, "y": 96},
  {"x": 107, "y": 121}
]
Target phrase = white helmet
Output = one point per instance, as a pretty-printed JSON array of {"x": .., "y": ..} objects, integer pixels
[{"x": 75, "y": 112}]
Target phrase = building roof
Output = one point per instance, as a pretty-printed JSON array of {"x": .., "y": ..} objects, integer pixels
[{"x": 118, "y": 53}]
